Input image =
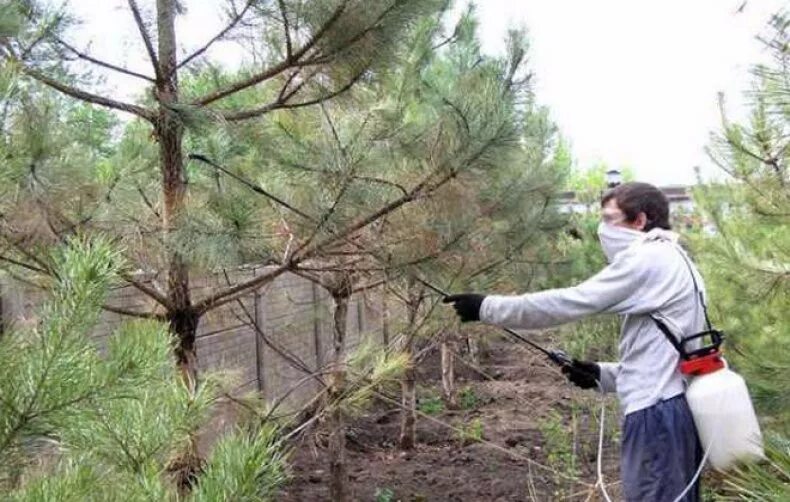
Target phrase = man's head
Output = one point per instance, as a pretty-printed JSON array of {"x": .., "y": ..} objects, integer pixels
[{"x": 639, "y": 206}]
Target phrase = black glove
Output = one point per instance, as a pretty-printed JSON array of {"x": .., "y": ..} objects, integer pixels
[
  {"x": 583, "y": 374},
  {"x": 466, "y": 305}
]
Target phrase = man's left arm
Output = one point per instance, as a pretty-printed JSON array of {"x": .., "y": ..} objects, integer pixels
[{"x": 622, "y": 288}]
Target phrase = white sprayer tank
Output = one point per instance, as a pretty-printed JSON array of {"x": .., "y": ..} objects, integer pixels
[{"x": 725, "y": 418}]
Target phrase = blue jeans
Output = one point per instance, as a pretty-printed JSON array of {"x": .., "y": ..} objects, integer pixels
[{"x": 660, "y": 453}]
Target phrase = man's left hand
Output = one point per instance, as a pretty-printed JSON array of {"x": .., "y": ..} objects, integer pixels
[{"x": 466, "y": 305}]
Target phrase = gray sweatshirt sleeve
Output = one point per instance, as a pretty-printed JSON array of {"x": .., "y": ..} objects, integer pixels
[
  {"x": 608, "y": 380},
  {"x": 627, "y": 286}
]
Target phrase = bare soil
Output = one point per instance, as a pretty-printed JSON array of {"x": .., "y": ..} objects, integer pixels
[{"x": 517, "y": 459}]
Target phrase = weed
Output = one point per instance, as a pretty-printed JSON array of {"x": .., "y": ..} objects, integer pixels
[
  {"x": 468, "y": 399},
  {"x": 432, "y": 405},
  {"x": 559, "y": 443},
  {"x": 384, "y": 495},
  {"x": 471, "y": 432}
]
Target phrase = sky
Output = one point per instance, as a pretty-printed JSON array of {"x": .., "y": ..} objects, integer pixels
[
  {"x": 630, "y": 83},
  {"x": 635, "y": 82}
]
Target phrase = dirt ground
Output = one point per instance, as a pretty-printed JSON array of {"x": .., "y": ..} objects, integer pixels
[{"x": 523, "y": 407}]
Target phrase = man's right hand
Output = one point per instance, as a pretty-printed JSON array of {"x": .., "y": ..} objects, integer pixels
[{"x": 583, "y": 374}]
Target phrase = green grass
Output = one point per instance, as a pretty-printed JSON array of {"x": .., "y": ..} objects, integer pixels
[
  {"x": 471, "y": 432},
  {"x": 384, "y": 495},
  {"x": 468, "y": 399},
  {"x": 431, "y": 405}
]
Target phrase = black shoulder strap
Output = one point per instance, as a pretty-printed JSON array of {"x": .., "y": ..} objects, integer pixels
[
  {"x": 696, "y": 288},
  {"x": 662, "y": 326},
  {"x": 668, "y": 333}
]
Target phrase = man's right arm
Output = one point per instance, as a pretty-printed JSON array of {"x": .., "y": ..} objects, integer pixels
[{"x": 608, "y": 380}]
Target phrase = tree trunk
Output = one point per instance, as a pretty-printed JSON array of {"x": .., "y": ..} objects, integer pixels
[
  {"x": 338, "y": 470},
  {"x": 385, "y": 317},
  {"x": 408, "y": 400},
  {"x": 473, "y": 343},
  {"x": 170, "y": 133},
  {"x": 408, "y": 382},
  {"x": 448, "y": 373},
  {"x": 184, "y": 323}
]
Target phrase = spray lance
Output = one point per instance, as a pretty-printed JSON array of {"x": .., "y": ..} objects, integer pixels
[{"x": 556, "y": 356}]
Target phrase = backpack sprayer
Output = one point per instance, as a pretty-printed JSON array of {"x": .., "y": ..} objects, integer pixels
[{"x": 717, "y": 396}]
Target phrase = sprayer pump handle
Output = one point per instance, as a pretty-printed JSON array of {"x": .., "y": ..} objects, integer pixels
[{"x": 716, "y": 336}]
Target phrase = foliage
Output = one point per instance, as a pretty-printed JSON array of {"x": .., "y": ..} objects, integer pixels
[
  {"x": 468, "y": 398},
  {"x": 77, "y": 424},
  {"x": 371, "y": 368},
  {"x": 763, "y": 482},
  {"x": 746, "y": 261},
  {"x": 432, "y": 405},
  {"x": 559, "y": 443},
  {"x": 745, "y": 258},
  {"x": 384, "y": 495},
  {"x": 244, "y": 466},
  {"x": 471, "y": 431}
]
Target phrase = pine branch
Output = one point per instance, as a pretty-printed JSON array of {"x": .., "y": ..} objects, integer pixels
[
  {"x": 424, "y": 188},
  {"x": 149, "y": 46},
  {"x": 99, "y": 62},
  {"x": 232, "y": 24},
  {"x": 132, "y": 313},
  {"x": 255, "y": 188},
  {"x": 286, "y": 29},
  {"x": 276, "y": 69},
  {"x": 86, "y": 96},
  {"x": 369, "y": 179},
  {"x": 283, "y": 104},
  {"x": 343, "y": 189},
  {"x": 147, "y": 290},
  {"x": 368, "y": 286},
  {"x": 421, "y": 189},
  {"x": 32, "y": 268},
  {"x": 148, "y": 202},
  {"x": 230, "y": 294}
]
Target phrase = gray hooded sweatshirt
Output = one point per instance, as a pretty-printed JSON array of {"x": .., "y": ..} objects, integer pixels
[{"x": 650, "y": 276}]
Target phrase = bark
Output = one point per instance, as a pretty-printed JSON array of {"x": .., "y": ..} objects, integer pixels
[
  {"x": 338, "y": 470},
  {"x": 408, "y": 401},
  {"x": 170, "y": 134},
  {"x": 184, "y": 325},
  {"x": 409, "y": 380},
  {"x": 385, "y": 317},
  {"x": 448, "y": 373},
  {"x": 183, "y": 318},
  {"x": 473, "y": 343}
]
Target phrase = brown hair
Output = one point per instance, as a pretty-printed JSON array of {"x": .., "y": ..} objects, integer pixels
[{"x": 634, "y": 198}]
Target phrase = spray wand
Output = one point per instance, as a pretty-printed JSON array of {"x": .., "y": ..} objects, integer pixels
[{"x": 558, "y": 357}]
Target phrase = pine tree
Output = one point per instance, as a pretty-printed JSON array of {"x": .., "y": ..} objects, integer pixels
[
  {"x": 141, "y": 193},
  {"x": 746, "y": 259},
  {"x": 79, "y": 425}
]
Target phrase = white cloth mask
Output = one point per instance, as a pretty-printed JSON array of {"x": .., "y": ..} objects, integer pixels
[{"x": 615, "y": 239}]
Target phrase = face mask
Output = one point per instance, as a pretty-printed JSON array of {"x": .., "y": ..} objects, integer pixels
[{"x": 615, "y": 239}]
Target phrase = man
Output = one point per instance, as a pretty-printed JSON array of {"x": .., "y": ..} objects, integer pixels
[{"x": 648, "y": 275}]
